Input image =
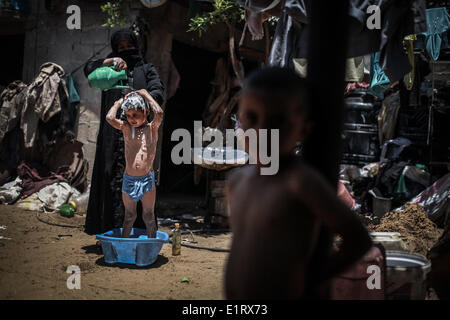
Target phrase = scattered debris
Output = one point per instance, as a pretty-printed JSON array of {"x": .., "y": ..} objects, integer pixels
[
  {"x": 186, "y": 280},
  {"x": 10, "y": 191}
]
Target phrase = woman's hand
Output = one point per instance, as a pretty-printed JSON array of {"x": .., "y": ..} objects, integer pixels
[
  {"x": 119, "y": 63},
  {"x": 144, "y": 93}
]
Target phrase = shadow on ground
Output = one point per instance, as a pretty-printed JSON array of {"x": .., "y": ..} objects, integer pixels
[
  {"x": 95, "y": 249},
  {"x": 160, "y": 261}
]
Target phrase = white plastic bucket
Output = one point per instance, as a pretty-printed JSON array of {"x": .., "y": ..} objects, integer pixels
[{"x": 406, "y": 275}]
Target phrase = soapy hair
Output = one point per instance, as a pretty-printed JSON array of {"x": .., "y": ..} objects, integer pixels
[{"x": 134, "y": 102}]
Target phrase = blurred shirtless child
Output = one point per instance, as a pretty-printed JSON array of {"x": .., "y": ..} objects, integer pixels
[
  {"x": 140, "y": 138},
  {"x": 278, "y": 250}
]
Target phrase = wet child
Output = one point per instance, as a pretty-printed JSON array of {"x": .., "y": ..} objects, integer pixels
[
  {"x": 140, "y": 138},
  {"x": 279, "y": 249}
]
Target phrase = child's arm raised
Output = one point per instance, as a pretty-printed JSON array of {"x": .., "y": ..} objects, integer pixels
[
  {"x": 154, "y": 106},
  {"x": 111, "y": 116}
]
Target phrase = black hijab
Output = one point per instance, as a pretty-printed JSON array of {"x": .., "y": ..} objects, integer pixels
[{"x": 131, "y": 57}]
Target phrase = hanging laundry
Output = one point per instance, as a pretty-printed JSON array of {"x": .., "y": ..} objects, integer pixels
[
  {"x": 438, "y": 22},
  {"x": 379, "y": 81},
  {"x": 408, "y": 42},
  {"x": 47, "y": 95},
  {"x": 285, "y": 43},
  {"x": 74, "y": 99},
  {"x": 291, "y": 38},
  {"x": 387, "y": 117},
  {"x": 354, "y": 69},
  {"x": 11, "y": 102},
  {"x": 255, "y": 24},
  {"x": 301, "y": 66}
]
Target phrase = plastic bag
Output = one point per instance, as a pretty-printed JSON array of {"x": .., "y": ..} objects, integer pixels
[
  {"x": 10, "y": 191},
  {"x": 435, "y": 199},
  {"x": 56, "y": 194}
]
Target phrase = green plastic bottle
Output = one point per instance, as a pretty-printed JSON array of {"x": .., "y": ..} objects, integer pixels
[
  {"x": 66, "y": 210},
  {"x": 106, "y": 78}
]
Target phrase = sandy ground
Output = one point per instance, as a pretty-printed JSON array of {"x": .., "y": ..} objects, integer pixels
[{"x": 34, "y": 262}]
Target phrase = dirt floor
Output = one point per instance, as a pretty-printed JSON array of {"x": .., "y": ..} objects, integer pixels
[{"x": 34, "y": 262}]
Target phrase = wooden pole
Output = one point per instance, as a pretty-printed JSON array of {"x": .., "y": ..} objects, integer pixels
[{"x": 326, "y": 69}]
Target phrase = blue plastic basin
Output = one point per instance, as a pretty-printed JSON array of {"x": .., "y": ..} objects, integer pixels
[{"x": 137, "y": 249}]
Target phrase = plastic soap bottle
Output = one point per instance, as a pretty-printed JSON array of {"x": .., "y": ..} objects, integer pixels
[{"x": 176, "y": 240}]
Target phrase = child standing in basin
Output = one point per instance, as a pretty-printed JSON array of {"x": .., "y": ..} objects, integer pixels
[{"x": 140, "y": 138}]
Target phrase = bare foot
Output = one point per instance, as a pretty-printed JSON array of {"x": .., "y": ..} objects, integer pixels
[{"x": 151, "y": 233}]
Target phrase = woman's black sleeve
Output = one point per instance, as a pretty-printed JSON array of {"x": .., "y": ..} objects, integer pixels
[
  {"x": 91, "y": 65},
  {"x": 154, "y": 85}
]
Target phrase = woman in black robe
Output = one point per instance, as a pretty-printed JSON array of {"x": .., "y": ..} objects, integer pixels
[{"x": 105, "y": 208}]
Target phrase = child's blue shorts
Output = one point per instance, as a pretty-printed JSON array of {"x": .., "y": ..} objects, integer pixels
[{"x": 136, "y": 187}]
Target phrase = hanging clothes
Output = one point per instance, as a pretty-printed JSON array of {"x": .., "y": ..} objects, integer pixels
[
  {"x": 292, "y": 40},
  {"x": 74, "y": 98},
  {"x": 46, "y": 96},
  {"x": 285, "y": 43},
  {"x": 254, "y": 21},
  {"x": 409, "y": 45},
  {"x": 11, "y": 102},
  {"x": 387, "y": 117},
  {"x": 379, "y": 81},
  {"x": 301, "y": 66},
  {"x": 354, "y": 68},
  {"x": 438, "y": 22}
]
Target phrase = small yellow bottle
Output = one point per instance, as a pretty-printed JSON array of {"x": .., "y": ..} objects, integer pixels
[{"x": 176, "y": 240}]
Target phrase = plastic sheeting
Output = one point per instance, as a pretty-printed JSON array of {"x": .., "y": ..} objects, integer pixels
[
  {"x": 55, "y": 195},
  {"x": 435, "y": 199},
  {"x": 49, "y": 198}
]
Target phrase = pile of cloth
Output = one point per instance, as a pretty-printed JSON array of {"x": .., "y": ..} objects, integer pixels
[{"x": 37, "y": 143}]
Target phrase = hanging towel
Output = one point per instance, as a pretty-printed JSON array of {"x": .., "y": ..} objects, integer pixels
[
  {"x": 379, "y": 82},
  {"x": 74, "y": 98},
  {"x": 438, "y": 22}
]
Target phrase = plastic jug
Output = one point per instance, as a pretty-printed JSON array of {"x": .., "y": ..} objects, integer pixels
[
  {"x": 106, "y": 78},
  {"x": 81, "y": 203}
]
